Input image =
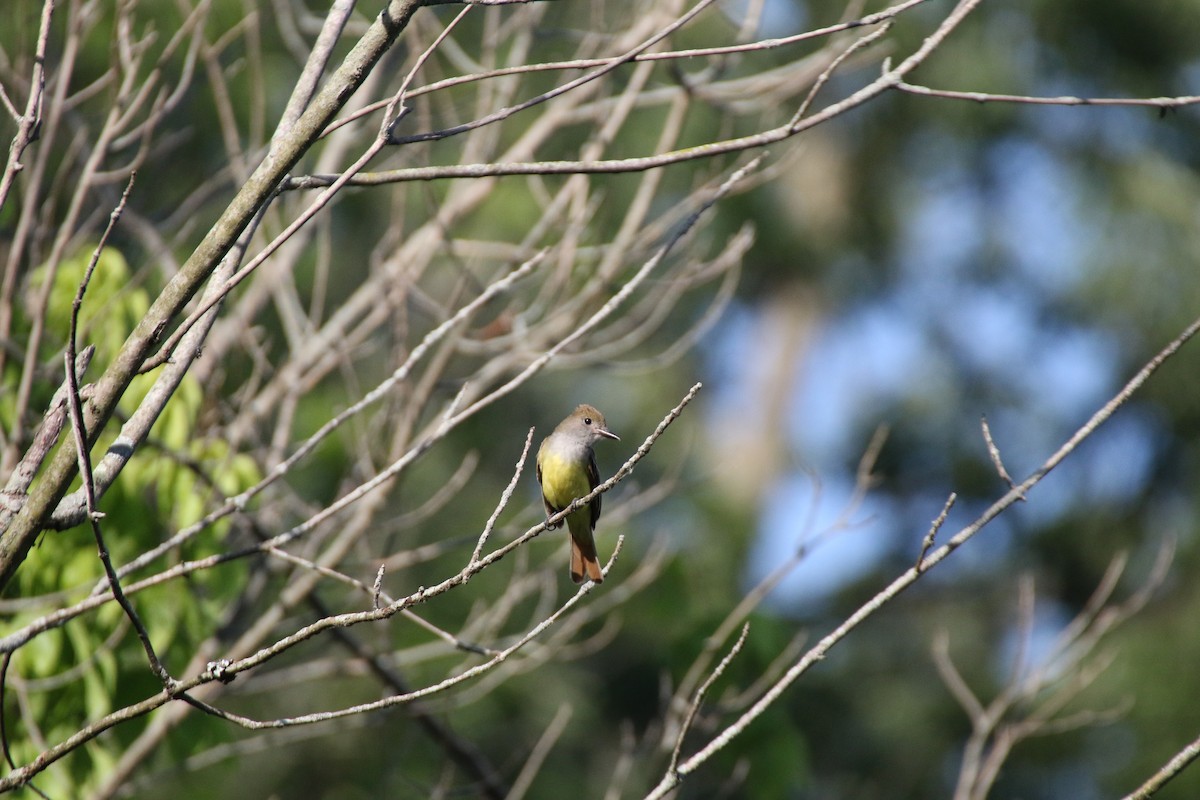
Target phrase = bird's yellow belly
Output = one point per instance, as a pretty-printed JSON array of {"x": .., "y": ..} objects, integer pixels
[{"x": 563, "y": 481}]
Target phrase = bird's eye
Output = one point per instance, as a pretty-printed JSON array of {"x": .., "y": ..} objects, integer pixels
[{"x": 587, "y": 420}]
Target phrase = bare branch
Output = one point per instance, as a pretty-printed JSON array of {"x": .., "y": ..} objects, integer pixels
[
  {"x": 1178, "y": 763},
  {"x": 994, "y": 452},
  {"x": 700, "y": 694},
  {"x": 1066, "y": 100}
]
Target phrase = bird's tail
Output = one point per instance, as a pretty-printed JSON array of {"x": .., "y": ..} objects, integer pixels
[{"x": 584, "y": 563}]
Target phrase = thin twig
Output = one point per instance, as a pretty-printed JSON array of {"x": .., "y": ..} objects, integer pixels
[
  {"x": 1178, "y": 763},
  {"x": 994, "y": 452},
  {"x": 1161, "y": 103},
  {"x": 936, "y": 526},
  {"x": 504, "y": 498},
  {"x": 827, "y": 73},
  {"x": 31, "y": 118},
  {"x": 75, "y": 406},
  {"x": 694, "y": 709}
]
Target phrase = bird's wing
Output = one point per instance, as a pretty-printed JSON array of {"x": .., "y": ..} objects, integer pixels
[{"x": 594, "y": 481}]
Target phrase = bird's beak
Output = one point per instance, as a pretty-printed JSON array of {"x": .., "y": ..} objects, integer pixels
[{"x": 606, "y": 433}]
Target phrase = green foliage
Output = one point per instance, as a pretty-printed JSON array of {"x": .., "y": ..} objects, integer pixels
[
  {"x": 110, "y": 309},
  {"x": 177, "y": 478}
]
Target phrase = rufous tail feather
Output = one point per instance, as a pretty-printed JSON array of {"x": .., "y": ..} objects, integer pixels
[{"x": 584, "y": 563}]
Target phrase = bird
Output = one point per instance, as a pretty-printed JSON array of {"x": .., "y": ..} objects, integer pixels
[{"x": 566, "y": 471}]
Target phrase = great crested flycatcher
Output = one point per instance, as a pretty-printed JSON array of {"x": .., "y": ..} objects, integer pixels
[{"x": 566, "y": 471}]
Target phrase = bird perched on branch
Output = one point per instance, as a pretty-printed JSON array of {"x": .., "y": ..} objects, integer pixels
[{"x": 566, "y": 471}]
